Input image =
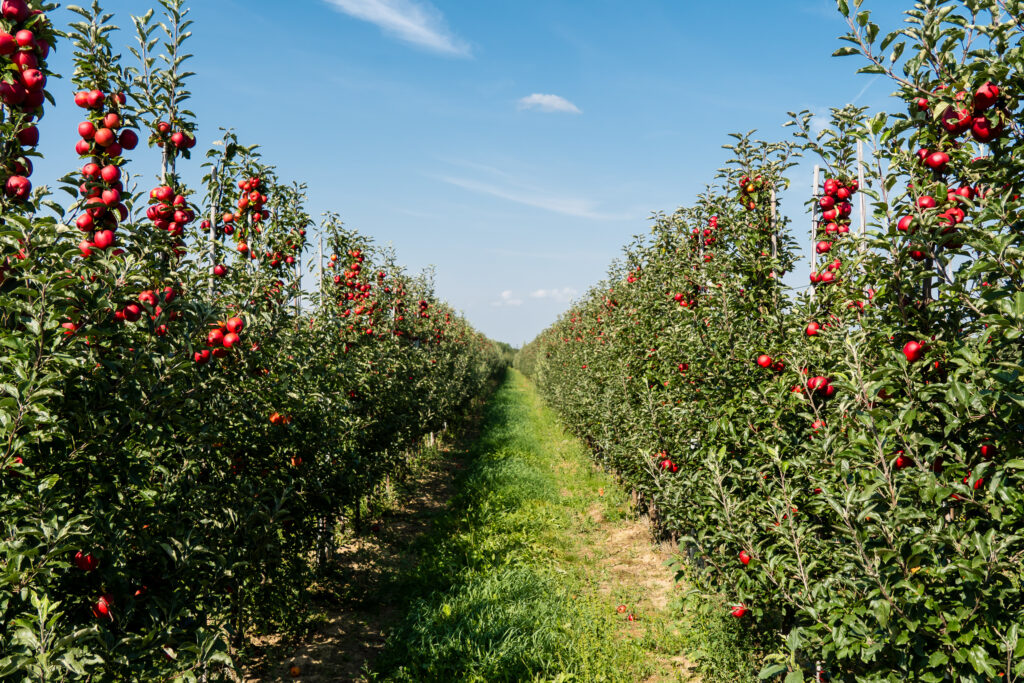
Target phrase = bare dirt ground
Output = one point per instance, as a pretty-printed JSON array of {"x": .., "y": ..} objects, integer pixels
[{"x": 353, "y": 629}]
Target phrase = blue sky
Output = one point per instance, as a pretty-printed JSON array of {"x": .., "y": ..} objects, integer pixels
[{"x": 517, "y": 146}]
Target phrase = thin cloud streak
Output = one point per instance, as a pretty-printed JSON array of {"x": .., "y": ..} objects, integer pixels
[
  {"x": 507, "y": 299},
  {"x": 564, "y": 295},
  {"x": 568, "y": 206},
  {"x": 413, "y": 21},
  {"x": 548, "y": 103}
]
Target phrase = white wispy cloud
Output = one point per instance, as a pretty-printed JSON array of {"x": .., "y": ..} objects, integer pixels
[
  {"x": 507, "y": 298},
  {"x": 548, "y": 103},
  {"x": 569, "y": 206},
  {"x": 564, "y": 294},
  {"x": 413, "y": 21}
]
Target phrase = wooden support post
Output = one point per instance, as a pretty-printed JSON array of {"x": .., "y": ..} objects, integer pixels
[{"x": 774, "y": 231}]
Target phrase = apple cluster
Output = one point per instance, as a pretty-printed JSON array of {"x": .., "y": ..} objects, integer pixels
[
  {"x": 250, "y": 211},
  {"x": 751, "y": 190},
  {"x": 665, "y": 462},
  {"x": 706, "y": 236},
  {"x": 25, "y": 38},
  {"x": 350, "y": 279},
  {"x": 985, "y": 117},
  {"x": 836, "y": 208},
  {"x": 172, "y": 140},
  {"x": 220, "y": 340},
  {"x": 101, "y": 186},
  {"x": 169, "y": 211}
]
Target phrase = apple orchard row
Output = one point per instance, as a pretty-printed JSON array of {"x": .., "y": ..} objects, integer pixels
[
  {"x": 841, "y": 462},
  {"x": 182, "y": 429}
]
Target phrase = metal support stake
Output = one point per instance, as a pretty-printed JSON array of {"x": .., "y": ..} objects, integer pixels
[{"x": 860, "y": 190}]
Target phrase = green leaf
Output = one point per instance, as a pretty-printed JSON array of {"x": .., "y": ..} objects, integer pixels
[
  {"x": 772, "y": 671},
  {"x": 795, "y": 677}
]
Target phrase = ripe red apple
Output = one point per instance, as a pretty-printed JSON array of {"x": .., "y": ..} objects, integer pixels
[
  {"x": 18, "y": 187},
  {"x": 215, "y": 337},
  {"x": 15, "y": 10},
  {"x": 103, "y": 239},
  {"x": 28, "y": 136},
  {"x": 110, "y": 173},
  {"x": 812, "y": 329},
  {"x": 201, "y": 357},
  {"x": 983, "y": 131},
  {"x": 230, "y": 339},
  {"x": 956, "y": 119},
  {"x": 33, "y": 79},
  {"x": 235, "y": 325},
  {"x": 25, "y": 60},
  {"x": 823, "y": 247},
  {"x": 219, "y": 270},
  {"x": 817, "y": 383},
  {"x": 937, "y": 160},
  {"x": 985, "y": 96},
  {"x": 744, "y": 557},
  {"x": 104, "y": 607},
  {"x": 8, "y": 44},
  {"x": 913, "y": 351},
  {"x": 738, "y": 611},
  {"x": 128, "y": 139},
  {"x": 104, "y": 137},
  {"x": 132, "y": 312},
  {"x": 988, "y": 451},
  {"x": 86, "y": 561},
  {"x": 85, "y": 222},
  {"x": 95, "y": 99},
  {"x": 764, "y": 360}
]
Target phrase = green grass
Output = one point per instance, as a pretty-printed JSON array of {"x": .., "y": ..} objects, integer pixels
[{"x": 502, "y": 592}]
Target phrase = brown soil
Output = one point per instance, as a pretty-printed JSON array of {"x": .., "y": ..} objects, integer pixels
[
  {"x": 634, "y": 574},
  {"x": 357, "y": 613}
]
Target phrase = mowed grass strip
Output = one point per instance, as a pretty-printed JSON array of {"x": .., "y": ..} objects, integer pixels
[{"x": 507, "y": 587}]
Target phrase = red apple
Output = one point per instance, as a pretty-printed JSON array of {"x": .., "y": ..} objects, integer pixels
[
  {"x": 937, "y": 160},
  {"x": 913, "y": 351},
  {"x": 985, "y": 96},
  {"x": 103, "y": 239},
  {"x": 104, "y": 606},
  {"x": 86, "y": 561}
]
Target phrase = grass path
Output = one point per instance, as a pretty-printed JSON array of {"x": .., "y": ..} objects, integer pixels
[
  {"x": 510, "y": 559},
  {"x": 534, "y": 572}
]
